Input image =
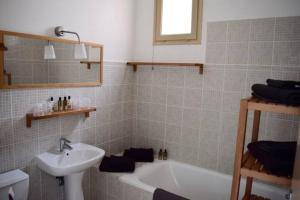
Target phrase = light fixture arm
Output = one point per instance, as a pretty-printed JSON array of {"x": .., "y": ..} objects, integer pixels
[{"x": 59, "y": 31}]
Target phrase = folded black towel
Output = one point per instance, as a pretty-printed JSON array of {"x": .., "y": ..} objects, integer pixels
[
  {"x": 139, "y": 154},
  {"x": 283, "y": 84},
  {"x": 277, "y": 157},
  {"x": 160, "y": 194},
  {"x": 277, "y": 95},
  {"x": 117, "y": 164}
]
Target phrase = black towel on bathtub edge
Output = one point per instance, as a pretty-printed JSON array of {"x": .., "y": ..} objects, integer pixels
[
  {"x": 277, "y": 157},
  {"x": 117, "y": 164},
  {"x": 277, "y": 95},
  {"x": 140, "y": 154},
  {"x": 160, "y": 194}
]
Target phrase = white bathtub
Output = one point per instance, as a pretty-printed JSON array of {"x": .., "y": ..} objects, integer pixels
[{"x": 191, "y": 182}]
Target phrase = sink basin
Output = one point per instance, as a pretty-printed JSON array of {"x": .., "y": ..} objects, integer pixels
[
  {"x": 70, "y": 164},
  {"x": 80, "y": 158}
]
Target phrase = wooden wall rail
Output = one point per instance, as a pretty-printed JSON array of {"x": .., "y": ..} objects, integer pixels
[
  {"x": 30, "y": 116},
  {"x": 169, "y": 64}
]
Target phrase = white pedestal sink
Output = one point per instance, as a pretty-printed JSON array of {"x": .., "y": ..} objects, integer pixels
[{"x": 70, "y": 164}]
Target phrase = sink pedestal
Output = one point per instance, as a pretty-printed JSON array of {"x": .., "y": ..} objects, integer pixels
[{"x": 73, "y": 186}]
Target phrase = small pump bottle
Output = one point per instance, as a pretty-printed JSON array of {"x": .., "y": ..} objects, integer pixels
[
  {"x": 50, "y": 105},
  {"x": 60, "y": 104},
  {"x": 65, "y": 103},
  {"x": 165, "y": 155},
  {"x": 160, "y": 154},
  {"x": 69, "y": 103}
]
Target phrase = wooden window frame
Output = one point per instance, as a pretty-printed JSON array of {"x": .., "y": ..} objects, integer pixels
[{"x": 193, "y": 38}]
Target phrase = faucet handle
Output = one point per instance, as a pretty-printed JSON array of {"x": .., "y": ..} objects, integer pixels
[{"x": 65, "y": 140}]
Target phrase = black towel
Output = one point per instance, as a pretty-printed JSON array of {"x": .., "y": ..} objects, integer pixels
[
  {"x": 277, "y": 95},
  {"x": 139, "y": 154},
  {"x": 283, "y": 84},
  {"x": 160, "y": 194},
  {"x": 117, "y": 164},
  {"x": 277, "y": 157}
]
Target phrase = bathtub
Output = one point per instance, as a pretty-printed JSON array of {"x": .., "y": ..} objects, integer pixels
[{"x": 191, "y": 182}]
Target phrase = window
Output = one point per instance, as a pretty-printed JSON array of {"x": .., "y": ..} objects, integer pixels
[{"x": 177, "y": 21}]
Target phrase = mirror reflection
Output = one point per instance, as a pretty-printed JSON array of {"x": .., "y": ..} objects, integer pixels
[{"x": 34, "y": 61}]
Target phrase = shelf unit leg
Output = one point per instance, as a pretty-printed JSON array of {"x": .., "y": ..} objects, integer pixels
[
  {"x": 240, "y": 142},
  {"x": 29, "y": 120},
  {"x": 255, "y": 131},
  {"x": 134, "y": 68}
]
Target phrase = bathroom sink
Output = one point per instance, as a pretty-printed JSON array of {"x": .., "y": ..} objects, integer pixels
[{"x": 80, "y": 158}]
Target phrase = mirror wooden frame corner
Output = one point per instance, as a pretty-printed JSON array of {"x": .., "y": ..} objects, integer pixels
[{"x": 3, "y": 85}]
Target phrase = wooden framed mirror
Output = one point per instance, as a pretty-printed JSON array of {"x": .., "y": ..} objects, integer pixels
[{"x": 23, "y": 63}]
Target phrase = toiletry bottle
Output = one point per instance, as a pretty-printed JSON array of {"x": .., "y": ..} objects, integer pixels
[
  {"x": 165, "y": 155},
  {"x": 60, "y": 104},
  {"x": 160, "y": 154},
  {"x": 69, "y": 103},
  {"x": 50, "y": 104},
  {"x": 65, "y": 103}
]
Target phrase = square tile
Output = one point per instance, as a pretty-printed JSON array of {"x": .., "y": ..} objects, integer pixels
[
  {"x": 191, "y": 118},
  {"x": 262, "y": 29},
  {"x": 176, "y": 77},
  {"x": 175, "y": 96},
  {"x": 235, "y": 80},
  {"x": 260, "y": 53},
  {"x": 7, "y": 158},
  {"x": 215, "y": 53},
  {"x": 216, "y": 31},
  {"x": 25, "y": 152},
  {"x": 192, "y": 98},
  {"x": 237, "y": 53},
  {"x": 286, "y": 53},
  {"x": 238, "y": 31},
  {"x": 287, "y": 29},
  {"x": 6, "y": 134},
  {"x": 174, "y": 115}
]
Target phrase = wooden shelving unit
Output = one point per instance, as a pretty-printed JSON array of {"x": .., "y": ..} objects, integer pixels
[
  {"x": 30, "y": 116},
  {"x": 9, "y": 81},
  {"x": 89, "y": 63},
  {"x": 254, "y": 197},
  {"x": 3, "y": 47},
  {"x": 245, "y": 164},
  {"x": 169, "y": 64}
]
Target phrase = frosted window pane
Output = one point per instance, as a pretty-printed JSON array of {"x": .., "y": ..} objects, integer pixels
[{"x": 176, "y": 17}]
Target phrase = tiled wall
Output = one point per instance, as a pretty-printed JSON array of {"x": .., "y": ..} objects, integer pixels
[
  {"x": 109, "y": 128},
  {"x": 25, "y": 61},
  {"x": 195, "y": 116}
]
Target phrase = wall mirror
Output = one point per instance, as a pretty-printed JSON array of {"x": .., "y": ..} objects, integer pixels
[{"x": 33, "y": 61}]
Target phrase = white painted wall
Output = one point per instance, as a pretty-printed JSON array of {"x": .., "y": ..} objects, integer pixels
[
  {"x": 213, "y": 10},
  {"x": 110, "y": 22}
]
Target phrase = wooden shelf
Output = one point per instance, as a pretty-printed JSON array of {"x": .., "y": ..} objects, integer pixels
[
  {"x": 89, "y": 63},
  {"x": 30, "y": 116},
  {"x": 267, "y": 106},
  {"x": 251, "y": 167},
  {"x": 169, "y": 64},
  {"x": 254, "y": 197}
]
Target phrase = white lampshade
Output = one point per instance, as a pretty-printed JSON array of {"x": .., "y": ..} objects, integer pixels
[
  {"x": 80, "y": 51},
  {"x": 49, "y": 52}
]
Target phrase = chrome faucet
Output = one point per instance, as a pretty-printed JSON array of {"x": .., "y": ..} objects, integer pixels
[{"x": 63, "y": 144}]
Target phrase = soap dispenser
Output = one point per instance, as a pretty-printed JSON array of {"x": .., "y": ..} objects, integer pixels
[
  {"x": 160, "y": 154},
  {"x": 165, "y": 155}
]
